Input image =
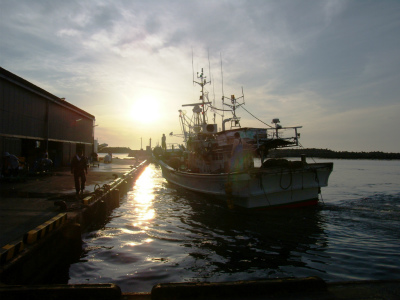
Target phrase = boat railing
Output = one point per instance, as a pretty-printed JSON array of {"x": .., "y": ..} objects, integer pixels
[
  {"x": 172, "y": 147},
  {"x": 283, "y": 132}
]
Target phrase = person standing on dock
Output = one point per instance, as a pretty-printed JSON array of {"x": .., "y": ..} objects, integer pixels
[
  {"x": 10, "y": 165},
  {"x": 163, "y": 142},
  {"x": 237, "y": 153},
  {"x": 79, "y": 169}
]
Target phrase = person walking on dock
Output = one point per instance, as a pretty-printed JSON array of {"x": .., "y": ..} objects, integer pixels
[{"x": 79, "y": 168}]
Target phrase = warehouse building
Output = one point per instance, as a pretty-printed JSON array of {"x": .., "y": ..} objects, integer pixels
[{"x": 34, "y": 122}]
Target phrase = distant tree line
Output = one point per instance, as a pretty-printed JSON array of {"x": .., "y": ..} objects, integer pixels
[
  {"x": 326, "y": 153},
  {"x": 278, "y": 153}
]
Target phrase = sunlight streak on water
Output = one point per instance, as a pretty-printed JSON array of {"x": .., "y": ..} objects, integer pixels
[{"x": 142, "y": 197}]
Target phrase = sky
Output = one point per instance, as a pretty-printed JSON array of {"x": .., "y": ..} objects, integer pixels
[{"x": 330, "y": 66}]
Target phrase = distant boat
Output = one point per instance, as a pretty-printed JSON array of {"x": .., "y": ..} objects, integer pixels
[{"x": 205, "y": 163}]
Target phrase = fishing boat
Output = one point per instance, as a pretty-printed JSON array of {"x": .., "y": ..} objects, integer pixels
[{"x": 221, "y": 163}]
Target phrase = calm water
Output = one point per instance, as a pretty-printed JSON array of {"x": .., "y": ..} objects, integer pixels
[{"x": 159, "y": 234}]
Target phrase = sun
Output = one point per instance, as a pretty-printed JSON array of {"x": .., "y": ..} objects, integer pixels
[{"x": 145, "y": 110}]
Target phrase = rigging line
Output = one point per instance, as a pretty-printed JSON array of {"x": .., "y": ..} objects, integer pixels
[
  {"x": 217, "y": 113},
  {"x": 305, "y": 148},
  {"x": 290, "y": 182},
  {"x": 216, "y": 108},
  {"x": 256, "y": 117},
  {"x": 262, "y": 186}
]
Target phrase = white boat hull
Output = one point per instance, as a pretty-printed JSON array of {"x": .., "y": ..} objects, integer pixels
[{"x": 258, "y": 188}]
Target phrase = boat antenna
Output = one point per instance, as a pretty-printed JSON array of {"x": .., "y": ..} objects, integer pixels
[
  {"x": 222, "y": 75},
  {"x": 243, "y": 96},
  {"x": 211, "y": 78},
  {"x": 192, "y": 66},
  {"x": 209, "y": 65},
  {"x": 213, "y": 95},
  {"x": 222, "y": 78}
]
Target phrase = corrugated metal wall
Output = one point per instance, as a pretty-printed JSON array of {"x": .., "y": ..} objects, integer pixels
[
  {"x": 69, "y": 125},
  {"x": 11, "y": 145},
  {"x": 30, "y": 113},
  {"x": 21, "y": 112}
]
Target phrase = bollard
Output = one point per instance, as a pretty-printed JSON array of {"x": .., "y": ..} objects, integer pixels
[
  {"x": 102, "y": 211},
  {"x": 121, "y": 187},
  {"x": 114, "y": 198},
  {"x": 125, "y": 187}
]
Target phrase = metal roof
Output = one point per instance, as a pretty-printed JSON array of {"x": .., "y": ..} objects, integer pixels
[{"x": 7, "y": 75}]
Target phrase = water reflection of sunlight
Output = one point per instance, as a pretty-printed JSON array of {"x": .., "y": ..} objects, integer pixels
[{"x": 142, "y": 198}]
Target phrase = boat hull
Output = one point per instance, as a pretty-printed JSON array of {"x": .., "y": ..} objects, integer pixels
[{"x": 258, "y": 188}]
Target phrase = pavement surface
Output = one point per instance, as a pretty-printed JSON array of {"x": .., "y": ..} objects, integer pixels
[{"x": 28, "y": 202}]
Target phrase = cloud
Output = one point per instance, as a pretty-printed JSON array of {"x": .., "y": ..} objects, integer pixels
[
  {"x": 363, "y": 129},
  {"x": 299, "y": 61}
]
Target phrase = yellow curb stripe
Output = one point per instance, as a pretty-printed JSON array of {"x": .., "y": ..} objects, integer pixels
[
  {"x": 88, "y": 200},
  {"x": 30, "y": 237},
  {"x": 9, "y": 251},
  {"x": 40, "y": 231}
]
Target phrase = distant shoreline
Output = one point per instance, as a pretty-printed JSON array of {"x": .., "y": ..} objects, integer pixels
[
  {"x": 326, "y": 153},
  {"x": 124, "y": 150},
  {"x": 310, "y": 152}
]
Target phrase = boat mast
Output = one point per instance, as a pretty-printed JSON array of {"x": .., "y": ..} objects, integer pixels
[
  {"x": 235, "y": 121},
  {"x": 222, "y": 78},
  {"x": 202, "y": 83},
  {"x": 195, "y": 125}
]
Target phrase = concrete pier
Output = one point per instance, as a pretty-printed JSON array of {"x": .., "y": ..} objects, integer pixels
[{"x": 41, "y": 219}]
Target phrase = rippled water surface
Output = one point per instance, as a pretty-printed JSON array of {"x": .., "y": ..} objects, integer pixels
[{"x": 160, "y": 234}]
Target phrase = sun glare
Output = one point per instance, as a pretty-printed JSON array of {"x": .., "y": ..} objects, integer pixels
[
  {"x": 143, "y": 196},
  {"x": 145, "y": 110}
]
